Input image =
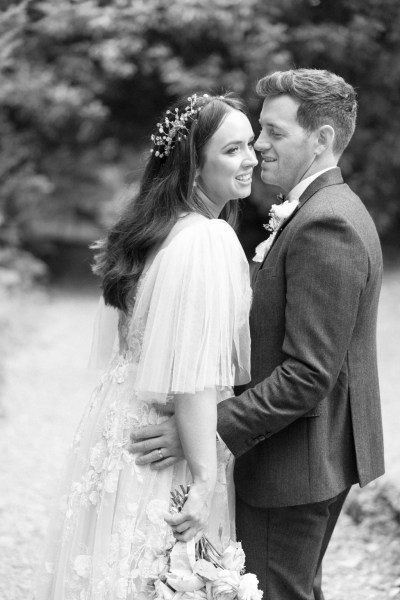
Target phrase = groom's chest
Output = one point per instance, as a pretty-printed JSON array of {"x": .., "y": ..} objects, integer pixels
[
  {"x": 271, "y": 272},
  {"x": 269, "y": 292}
]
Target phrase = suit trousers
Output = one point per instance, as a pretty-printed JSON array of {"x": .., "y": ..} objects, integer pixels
[{"x": 285, "y": 546}]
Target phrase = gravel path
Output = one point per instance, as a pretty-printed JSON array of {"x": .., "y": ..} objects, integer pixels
[{"x": 42, "y": 399}]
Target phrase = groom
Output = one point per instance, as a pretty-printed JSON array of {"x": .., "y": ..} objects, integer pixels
[{"x": 309, "y": 425}]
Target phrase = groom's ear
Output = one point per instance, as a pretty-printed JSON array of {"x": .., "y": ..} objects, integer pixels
[{"x": 325, "y": 139}]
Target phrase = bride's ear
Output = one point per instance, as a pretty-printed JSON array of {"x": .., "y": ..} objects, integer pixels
[{"x": 325, "y": 139}]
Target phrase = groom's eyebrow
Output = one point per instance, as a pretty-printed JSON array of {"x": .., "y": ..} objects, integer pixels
[
  {"x": 267, "y": 121},
  {"x": 268, "y": 124}
]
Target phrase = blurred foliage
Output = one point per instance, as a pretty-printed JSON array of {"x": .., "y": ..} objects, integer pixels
[
  {"x": 360, "y": 40},
  {"x": 82, "y": 81}
]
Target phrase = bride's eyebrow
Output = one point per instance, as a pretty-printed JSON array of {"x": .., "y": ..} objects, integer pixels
[{"x": 235, "y": 142}]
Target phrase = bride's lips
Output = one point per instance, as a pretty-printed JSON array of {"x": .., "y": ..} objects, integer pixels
[{"x": 245, "y": 177}]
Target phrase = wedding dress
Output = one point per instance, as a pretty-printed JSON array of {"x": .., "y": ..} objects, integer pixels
[{"x": 186, "y": 330}]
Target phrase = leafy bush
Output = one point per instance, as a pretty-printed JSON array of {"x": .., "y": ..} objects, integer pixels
[{"x": 81, "y": 84}]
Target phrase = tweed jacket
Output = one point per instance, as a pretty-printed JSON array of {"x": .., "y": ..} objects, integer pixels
[{"x": 309, "y": 423}]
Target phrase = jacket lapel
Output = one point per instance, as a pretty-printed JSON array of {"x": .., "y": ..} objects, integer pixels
[{"x": 331, "y": 177}]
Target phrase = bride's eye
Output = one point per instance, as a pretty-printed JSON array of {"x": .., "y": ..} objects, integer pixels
[{"x": 233, "y": 150}]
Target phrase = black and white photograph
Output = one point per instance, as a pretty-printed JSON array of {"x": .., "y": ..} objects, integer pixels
[{"x": 199, "y": 299}]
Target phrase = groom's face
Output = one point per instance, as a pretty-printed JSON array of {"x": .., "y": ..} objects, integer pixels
[{"x": 286, "y": 148}]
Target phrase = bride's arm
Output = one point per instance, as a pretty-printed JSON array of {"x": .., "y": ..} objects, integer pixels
[{"x": 196, "y": 418}]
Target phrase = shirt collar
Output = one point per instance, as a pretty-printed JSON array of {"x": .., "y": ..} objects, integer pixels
[{"x": 301, "y": 187}]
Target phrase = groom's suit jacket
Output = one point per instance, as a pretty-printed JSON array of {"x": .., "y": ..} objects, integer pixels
[{"x": 309, "y": 424}]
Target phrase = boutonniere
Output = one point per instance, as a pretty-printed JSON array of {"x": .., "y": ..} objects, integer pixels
[{"x": 277, "y": 215}]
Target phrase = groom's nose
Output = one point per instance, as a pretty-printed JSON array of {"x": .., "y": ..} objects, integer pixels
[{"x": 262, "y": 143}]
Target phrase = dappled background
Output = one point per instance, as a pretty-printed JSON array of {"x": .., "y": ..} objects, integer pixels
[{"x": 82, "y": 83}]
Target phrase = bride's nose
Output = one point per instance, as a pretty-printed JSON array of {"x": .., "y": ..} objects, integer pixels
[{"x": 251, "y": 159}]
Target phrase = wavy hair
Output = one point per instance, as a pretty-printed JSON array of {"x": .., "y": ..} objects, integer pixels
[{"x": 167, "y": 190}]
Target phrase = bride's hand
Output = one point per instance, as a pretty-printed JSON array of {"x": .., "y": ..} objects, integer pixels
[{"x": 193, "y": 518}]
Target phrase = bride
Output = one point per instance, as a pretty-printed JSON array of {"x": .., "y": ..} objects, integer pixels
[{"x": 177, "y": 280}]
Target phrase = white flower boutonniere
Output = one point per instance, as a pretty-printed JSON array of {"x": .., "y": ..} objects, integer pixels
[{"x": 277, "y": 215}]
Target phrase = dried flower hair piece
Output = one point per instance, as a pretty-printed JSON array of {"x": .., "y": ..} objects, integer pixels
[{"x": 174, "y": 127}]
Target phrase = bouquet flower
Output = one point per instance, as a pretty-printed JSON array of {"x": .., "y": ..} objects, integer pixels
[{"x": 198, "y": 571}]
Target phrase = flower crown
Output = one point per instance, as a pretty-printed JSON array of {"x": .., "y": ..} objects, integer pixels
[{"x": 174, "y": 127}]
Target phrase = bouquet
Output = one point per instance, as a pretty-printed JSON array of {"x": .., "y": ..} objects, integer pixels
[{"x": 198, "y": 571}]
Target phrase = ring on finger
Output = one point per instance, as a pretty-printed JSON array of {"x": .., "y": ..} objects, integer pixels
[{"x": 160, "y": 454}]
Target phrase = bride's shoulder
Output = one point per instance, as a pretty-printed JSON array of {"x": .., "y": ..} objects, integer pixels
[
  {"x": 197, "y": 239},
  {"x": 194, "y": 227}
]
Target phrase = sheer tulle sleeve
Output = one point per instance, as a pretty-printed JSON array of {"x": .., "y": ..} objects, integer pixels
[
  {"x": 194, "y": 301},
  {"x": 105, "y": 336}
]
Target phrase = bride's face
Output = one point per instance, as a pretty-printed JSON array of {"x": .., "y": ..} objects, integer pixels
[{"x": 228, "y": 161}]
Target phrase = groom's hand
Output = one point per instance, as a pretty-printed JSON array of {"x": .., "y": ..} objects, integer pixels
[{"x": 158, "y": 445}]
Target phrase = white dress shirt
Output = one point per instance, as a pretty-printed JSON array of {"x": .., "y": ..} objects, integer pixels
[{"x": 301, "y": 187}]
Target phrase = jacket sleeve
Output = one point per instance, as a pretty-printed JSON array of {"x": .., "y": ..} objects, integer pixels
[{"x": 326, "y": 273}]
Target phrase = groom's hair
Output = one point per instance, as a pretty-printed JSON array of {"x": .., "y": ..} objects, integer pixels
[{"x": 324, "y": 99}]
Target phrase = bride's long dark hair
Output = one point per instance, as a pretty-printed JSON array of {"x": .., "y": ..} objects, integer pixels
[{"x": 167, "y": 190}]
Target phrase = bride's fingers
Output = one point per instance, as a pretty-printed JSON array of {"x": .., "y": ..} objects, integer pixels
[
  {"x": 175, "y": 519},
  {"x": 179, "y": 523},
  {"x": 182, "y": 527},
  {"x": 187, "y": 535}
]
